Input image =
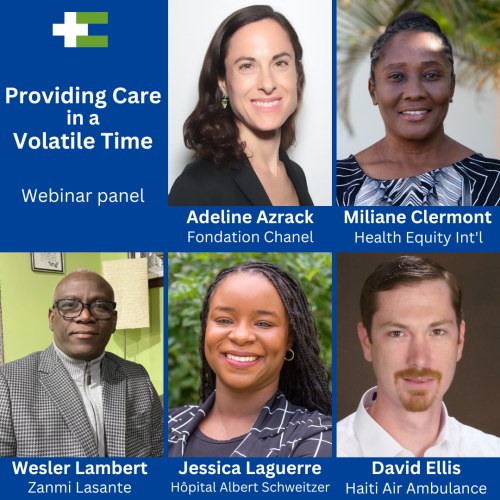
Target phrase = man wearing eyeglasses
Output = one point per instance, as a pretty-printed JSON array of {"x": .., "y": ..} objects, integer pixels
[{"x": 75, "y": 399}]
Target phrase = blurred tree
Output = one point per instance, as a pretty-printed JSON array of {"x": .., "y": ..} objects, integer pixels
[
  {"x": 472, "y": 26},
  {"x": 189, "y": 275}
]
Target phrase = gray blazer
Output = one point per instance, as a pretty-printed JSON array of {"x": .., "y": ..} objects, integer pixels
[{"x": 42, "y": 413}]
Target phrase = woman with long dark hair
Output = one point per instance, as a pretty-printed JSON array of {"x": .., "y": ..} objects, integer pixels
[
  {"x": 264, "y": 389},
  {"x": 250, "y": 92}
]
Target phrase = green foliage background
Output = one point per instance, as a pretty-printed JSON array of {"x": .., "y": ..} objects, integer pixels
[{"x": 189, "y": 275}]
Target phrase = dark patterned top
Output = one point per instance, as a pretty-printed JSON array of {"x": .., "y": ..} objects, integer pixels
[
  {"x": 281, "y": 430},
  {"x": 470, "y": 182}
]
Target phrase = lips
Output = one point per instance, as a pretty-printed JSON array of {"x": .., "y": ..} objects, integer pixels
[
  {"x": 241, "y": 359},
  {"x": 414, "y": 115},
  {"x": 266, "y": 103},
  {"x": 84, "y": 335}
]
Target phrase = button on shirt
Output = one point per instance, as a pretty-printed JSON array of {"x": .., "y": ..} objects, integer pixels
[
  {"x": 359, "y": 435},
  {"x": 83, "y": 372}
]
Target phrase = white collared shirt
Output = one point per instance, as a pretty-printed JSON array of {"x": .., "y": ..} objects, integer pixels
[{"x": 359, "y": 435}]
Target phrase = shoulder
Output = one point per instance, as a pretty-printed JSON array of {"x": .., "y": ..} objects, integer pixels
[
  {"x": 345, "y": 432},
  {"x": 129, "y": 368},
  {"x": 174, "y": 414},
  {"x": 478, "y": 161},
  {"x": 202, "y": 183},
  {"x": 472, "y": 442},
  {"x": 27, "y": 364},
  {"x": 311, "y": 431},
  {"x": 304, "y": 422}
]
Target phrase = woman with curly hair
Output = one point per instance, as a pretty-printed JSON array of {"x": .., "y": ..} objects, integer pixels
[
  {"x": 264, "y": 389},
  {"x": 250, "y": 92}
]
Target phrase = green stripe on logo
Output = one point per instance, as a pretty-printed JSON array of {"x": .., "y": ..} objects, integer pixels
[
  {"x": 91, "y": 18},
  {"x": 91, "y": 41}
]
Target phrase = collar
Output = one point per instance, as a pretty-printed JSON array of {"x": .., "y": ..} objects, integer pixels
[
  {"x": 249, "y": 183},
  {"x": 375, "y": 441},
  {"x": 77, "y": 363}
]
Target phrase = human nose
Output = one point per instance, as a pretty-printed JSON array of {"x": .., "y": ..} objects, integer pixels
[
  {"x": 419, "y": 353},
  {"x": 414, "y": 89},
  {"x": 85, "y": 316},
  {"x": 242, "y": 334},
  {"x": 266, "y": 83}
]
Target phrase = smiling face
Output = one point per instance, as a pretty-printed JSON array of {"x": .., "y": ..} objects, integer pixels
[
  {"x": 413, "y": 85},
  {"x": 83, "y": 337},
  {"x": 415, "y": 346},
  {"x": 247, "y": 333},
  {"x": 261, "y": 77}
]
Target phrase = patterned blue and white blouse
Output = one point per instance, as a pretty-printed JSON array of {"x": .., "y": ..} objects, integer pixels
[{"x": 474, "y": 181}]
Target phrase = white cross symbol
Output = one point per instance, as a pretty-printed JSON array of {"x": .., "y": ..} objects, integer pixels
[{"x": 70, "y": 30}]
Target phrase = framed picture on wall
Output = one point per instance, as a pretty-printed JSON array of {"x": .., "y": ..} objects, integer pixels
[
  {"x": 48, "y": 262},
  {"x": 155, "y": 266}
]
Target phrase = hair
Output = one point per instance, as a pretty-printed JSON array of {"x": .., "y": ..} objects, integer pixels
[
  {"x": 401, "y": 271},
  {"x": 412, "y": 20},
  {"x": 82, "y": 271},
  {"x": 210, "y": 130},
  {"x": 303, "y": 381}
]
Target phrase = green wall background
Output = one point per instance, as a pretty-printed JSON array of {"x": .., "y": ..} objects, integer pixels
[{"x": 26, "y": 297}]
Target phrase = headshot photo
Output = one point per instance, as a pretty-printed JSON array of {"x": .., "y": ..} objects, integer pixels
[
  {"x": 250, "y": 103},
  {"x": 416, "y": 72},
  {"x": 413, "y": 318},
  {"x": 263, "y": 372},
  {"x": 81, "y": 356}
]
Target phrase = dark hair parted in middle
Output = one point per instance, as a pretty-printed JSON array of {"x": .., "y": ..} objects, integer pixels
[
  {"x": 403, "y": 271},
  {"x": 415, "y": 21},
  {"x": 211, "y": 131},
  {"x": 304, "y": 381}
]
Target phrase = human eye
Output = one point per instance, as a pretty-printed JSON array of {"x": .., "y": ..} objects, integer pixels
[
  {"x": 245, "y": 66},
  {"x": 264, "y": 324},
  {"x": 282, "y": 64},
  {"x": 396, "y": 77},
  {"x": 396, "y": 334},
  {"x": 68, "y": 305},
  {"x": 438, "y": 332},
  {"x": 223, "y": 321}
]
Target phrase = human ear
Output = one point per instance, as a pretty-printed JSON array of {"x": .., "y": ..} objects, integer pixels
[
  {"x": 452, "y": 90},
  {"x": 365, "y": 341},
  {"x": 373, "y": 92},
  {"x": 461, "y": 340},
  {"x": 51, "y": 318},
  {"x": 222, "y": 86}
]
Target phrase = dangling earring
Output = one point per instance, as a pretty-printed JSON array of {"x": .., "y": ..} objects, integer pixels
[
  {"x": 224, "y": 101},
  {"x": 293, "y": 355}
]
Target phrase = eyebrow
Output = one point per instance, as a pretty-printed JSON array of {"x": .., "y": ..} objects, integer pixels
[
  {"x": 261, "y": 311},
  {"x": 252, "y": 59},
  {"x": 225, "y": 308},
  {"x": 431, "y": 325},
  {"x": 402, "y": 64}
]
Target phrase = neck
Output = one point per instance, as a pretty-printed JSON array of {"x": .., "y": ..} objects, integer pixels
[
  {"x": 415, "y": 156},
  {"x": 415, "y": 431},
  {"x": 234, "y": 413},
  {"x": 262, "y": 148}
]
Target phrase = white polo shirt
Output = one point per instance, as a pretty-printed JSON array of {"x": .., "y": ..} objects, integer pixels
[{"x": 359, "y": 435}]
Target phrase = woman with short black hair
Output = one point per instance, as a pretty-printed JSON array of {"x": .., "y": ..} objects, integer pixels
[{"x": 412, "y": 81}]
